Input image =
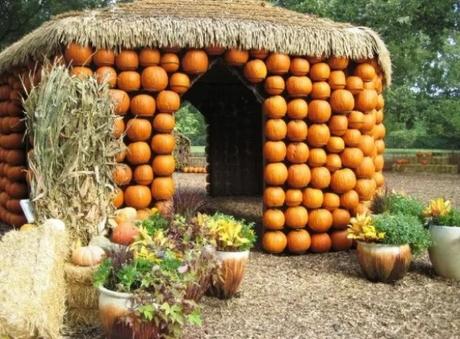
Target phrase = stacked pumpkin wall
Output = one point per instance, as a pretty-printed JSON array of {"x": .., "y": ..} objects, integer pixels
[
  {"x": 13, "y": 186},
  {"x": 323, "y": 133}
]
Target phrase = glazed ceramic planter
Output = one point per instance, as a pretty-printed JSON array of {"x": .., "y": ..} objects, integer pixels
[
  {"x": 384, "y": 263},
  {"x": 445, "y": 251},
  {"x": 113, "y": 306},
  {"x": 229, "y": 274}
]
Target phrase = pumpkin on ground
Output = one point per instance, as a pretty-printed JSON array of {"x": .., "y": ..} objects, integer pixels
[
  {"x": 273, "y": 219},
  {"x": 320, "y": 243},
  {"x": 124, "y": 233},
  {"x": 320, "y": 220},
  {"x": 298, "y": 241},
  {"x": 274, "y": 242}
]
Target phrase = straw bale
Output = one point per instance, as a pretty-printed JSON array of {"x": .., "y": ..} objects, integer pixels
[
  {"x": 82, "y": 296},
  {"x": 32, "y": 288},
  {"x": 246, "y": 24},
  {"x": 77, "y": 317},
  {"x": 78, "y": 274}
]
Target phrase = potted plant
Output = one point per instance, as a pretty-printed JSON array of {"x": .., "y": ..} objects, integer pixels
[
  {"x": 232, "y": 239},
  {"x": 386, "y": 243},
  {"x": 444, "y": 226},
  {"x": 142, "y": 293}
]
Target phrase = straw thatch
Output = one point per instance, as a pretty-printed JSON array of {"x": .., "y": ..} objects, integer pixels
[
  {"x": 247, "y": 24},
  {"x": 32, "y": 289}
]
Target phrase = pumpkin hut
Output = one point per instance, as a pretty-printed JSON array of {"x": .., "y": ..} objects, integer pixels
[{"x": 293, "y": 102}]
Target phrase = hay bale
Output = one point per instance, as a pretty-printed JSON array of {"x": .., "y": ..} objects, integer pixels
[
  {"x": 79, "y": 275},
  {"x": 32, "y": 288},
  {"x": 77, "y": 317},
  {"x": 82, "y": 296}
]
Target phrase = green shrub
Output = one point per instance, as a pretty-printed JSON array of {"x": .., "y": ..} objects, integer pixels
[
  {"x": 450, "y": 219},
  {"x": 403, "y": 229},
  {"x": 397, "y": 203}
]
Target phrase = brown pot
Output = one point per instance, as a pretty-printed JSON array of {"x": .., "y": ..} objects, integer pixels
[
  {"x": 385, "y": 263},
  {"x": 229, "y": 274}
]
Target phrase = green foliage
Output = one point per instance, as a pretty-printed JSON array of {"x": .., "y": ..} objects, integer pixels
[
  {"x": 403, "y": 229},
  {"x": 154, "y": 223},
  {"x": 450, "y": 219},
  {"x": 191, "y": 123}
]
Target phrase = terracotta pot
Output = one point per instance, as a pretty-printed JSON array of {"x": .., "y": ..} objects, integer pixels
[
  {"x": 381, "y": 262},
  {"x": 228, "y": 276},
  {"x": 113, "y": 306},
  {"x": 445, "y": 251}
]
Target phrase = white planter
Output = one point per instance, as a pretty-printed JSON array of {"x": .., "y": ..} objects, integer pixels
[
  {"x": 113, "y": 305},
  {"x": 445, "y": 251}
]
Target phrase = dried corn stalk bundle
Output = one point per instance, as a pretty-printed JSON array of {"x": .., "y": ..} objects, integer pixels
[{"x": 69, "y": 120}]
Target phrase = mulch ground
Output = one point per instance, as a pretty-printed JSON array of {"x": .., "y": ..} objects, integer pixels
[{"x": 325, "y": 296}]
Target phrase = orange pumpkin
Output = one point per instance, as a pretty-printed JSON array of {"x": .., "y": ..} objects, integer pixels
[
  {"x": 367, "y": 145},
  {"x": 118, "y": 127},
  {"x": 236, "y": 57},
  {"x": 349, "y": 200},
  {"x": 108, "y": 75},
  {"x": 368, "y": 122},
  {"x": 16, "y": 190},
  {"x": 104, "y": 57},
  {"x": 138, "y": 196},
  {"x": 365, "y": 71},
  {"x": 366, "y": 100},
  {"x": 298, "y": 175},
  {"x": 335, "y": 145},
  {"x": 342, "y": 101},
  {"x": 81, "y": 72},
  {"x": 320, "y": 177},
  {"x": 340, "y": 241},
  {"x": 366, "y": 169},
  {"x": 297, "y": 109},
  {"x": 354, "y": 84},
  {"x": 118, "y": 198},
  {"x": 164, "y": 165},
  {"x": 14, "y": 206},
  {"x": 298, "y": 86},
  {"x": 333, "y": 162},
  {"x": 179, "y": 82},
  {"x": 274, "y": 151},
  {"x": 274, "y": 85},
  {"x": 127, "y": 60},
  {"x": 378, "y": 132},
  {"x": 274, "y": 107},
  {"x": 338, "y": 125},
  {"x": 317, "y": 157},
  {"x": 298, "y": 241},
  {"x": 380, "y": 102},
  {"x": 380, "y": 146},
  {"x": 378, "y": 163},
  {"x": 320, "y": 71},
  {"x": 355, "y": 119},
  {"x": 274, "y": 242},
  {"x": 143, "y": 105},
  {"x": 162, "y": 188},
  {"x": 352, "y": 157},
  {"x": 315, "y": 59},
  {"x": 273, "y": 219},
  {"x": 138, "y": 153},
  {"x": 337, "y": 80},
  {"x": 168, "y": 101},
  {"x": 275, "y": 129},
  {"x": 129, "y": 81},
  {"x": 215, "y": 50},
  {"x": 255, "y": 71},
  {"x": 163, "y": 143},
  {"x": 365, "y": 188},
  {"x": 154, "y": 79},
  {"x": 296, "y": 217},
  {"x": 341, "y": 218},
  {"x": 320, "y": 90},
  {"x": 278, "y": 63},
  {"x": 259, "y": 53},
  {"x": 319, "y": 111},
  {"x": 195, "y": 61},
  {"x": 318, "y": 135},
  {"x": 122, "y": 174},
  {"x": 164, "y": 122},
  {"x": 338, "y": 62},
  {"x": 16, "y": 157},
  {"x": 379, "y": 179},
  {"x": 275, "y": 174},
  {"x": 78, "y": 55},
  {"x": 320, "y": 220},
  {"x": 170, "y": 62},
  {"x": 297, "y": 130},
  {"x": 274, "y": 197},
  {"x": 352, "y": 137},
  {"x": 343, "y": 180},
  {"x": 138, "y": 129},
  {"x": 149, "y": 57},
  {"x": 299, "y": 66},
  {"x": 331, "y": 201},
  {"x": 293, "y": 197},
  {"x": 125, "y": 233},
  {"x": 360, "y": 209},
  {"x": 297, "y": 152},
  {"x": 320, "y": 243},
  {"x": 120, "y": 100},
  {"x": 143, "y": 175}
]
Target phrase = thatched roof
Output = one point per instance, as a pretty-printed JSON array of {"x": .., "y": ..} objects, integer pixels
[{"x": 248, "y": 24}]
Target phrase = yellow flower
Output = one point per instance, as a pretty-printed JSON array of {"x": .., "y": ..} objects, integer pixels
[
  {"x": 437, "y": 208},
  {"x": 361, "y": 228}
]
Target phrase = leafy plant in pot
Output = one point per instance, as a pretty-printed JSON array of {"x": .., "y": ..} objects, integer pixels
[
  {"x": 386, "y": 243},
  {"x": 444, "y": 226},
  {"x": 233, "y": 239},
  {"x": 142, "y": 293}
]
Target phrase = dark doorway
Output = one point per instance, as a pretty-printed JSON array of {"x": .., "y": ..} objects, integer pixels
[{"x": 234, "y": 144}]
